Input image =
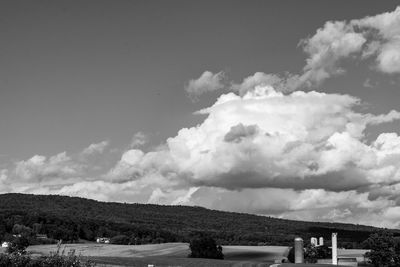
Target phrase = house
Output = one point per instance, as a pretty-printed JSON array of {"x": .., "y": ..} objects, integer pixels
[
  {"x": 5, "y": 244},
  {"x": 40, "y": 236},
  {"x": 104, "y": 240}
]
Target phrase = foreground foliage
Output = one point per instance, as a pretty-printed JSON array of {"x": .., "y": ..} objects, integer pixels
[
  {"x": 72, "y": 218},
  {"x": 19, "y": 258},
  {"x": 385, "y": 249}
]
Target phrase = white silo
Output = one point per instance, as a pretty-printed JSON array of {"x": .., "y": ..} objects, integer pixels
[
  {"x": 334, "y": 248},
  {"x": 321, "y": 241},
  {"x": 314, "y": 241},
  {"x": 298, "y": 250}
]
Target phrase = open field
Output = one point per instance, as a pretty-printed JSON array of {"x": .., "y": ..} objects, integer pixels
[
  {"x": 168, "y": 254},
  {"x": 175, "y": 254}
]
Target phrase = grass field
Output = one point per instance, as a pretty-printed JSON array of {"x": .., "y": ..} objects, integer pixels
[
  {"x": 175, "y": 254},
  {"x": 168, "y": 254}
]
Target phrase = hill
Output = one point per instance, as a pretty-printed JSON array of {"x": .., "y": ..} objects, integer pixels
[{"x": 73, "y": 218}]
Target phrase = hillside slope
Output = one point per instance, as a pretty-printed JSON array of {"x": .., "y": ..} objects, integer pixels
[{"x": 71, "y": 218}]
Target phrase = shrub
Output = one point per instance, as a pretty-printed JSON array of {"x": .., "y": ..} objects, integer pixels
[
  {"x": 60, "y": 260},
  {"x": 56, "y": 259},
  {"x": 205, "y": 247},
  {"x": 120, "y": 240},
  {"x": 18, "y": 245},
  {"x": 312, "y": 253}
]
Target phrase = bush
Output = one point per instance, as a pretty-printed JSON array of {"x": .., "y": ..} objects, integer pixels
[
  {"x": 61, "y": 260},
  {"x": 120, "y": 240},
  {"x": 18, "y": 258},
  {"x": 18, "y": 245},
  {"x": 15, "y": 260},
  {"x": 312, "y": 253},
  {"x": 205, "y": 247}
]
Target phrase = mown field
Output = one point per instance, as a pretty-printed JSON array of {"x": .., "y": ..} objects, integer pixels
[
  {"x": 175, "y": 254},
  {"x": 168, "y": 254}
]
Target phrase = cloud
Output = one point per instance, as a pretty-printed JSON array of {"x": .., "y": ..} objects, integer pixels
[
  {"x": 96, "y": 148},
  {"x": 268, "y": 139},
  {"x": 337, "y": 41},
  {"x": 138, "y": 140},
  {"x": 368, "y": 84},
  {"x": 299, "y": 155},
  {"x": 266, "y": 147},
  {"x": 384, "y": 32},
  {"x": 373, "y": 36},
  {"x": 257, "y": 79},
  {"x": 207, "y": 82},
  {"x": 238, "y": 132},
  {"x": 40, "y": 168}
]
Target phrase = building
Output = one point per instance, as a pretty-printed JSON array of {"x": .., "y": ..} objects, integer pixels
[
  {"x": 317, "y": 242},
  {"x": 5, "y": 244},
  {"x": 104, "y": 240},
  {"x": 40, "y": 236}
]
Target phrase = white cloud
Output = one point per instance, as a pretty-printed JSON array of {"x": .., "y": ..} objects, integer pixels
[
  {"x": 373, "y": 36},
  {"x": 301, "y": 155},
  {"x": 385, "y": 44},
  {"x": 335, "y": 41},
  {"x": 40, "y": 168},
  {"x": 377, "y": 35},
  {"x": 207, "y": 82},
  {"x": 250, "y": 150},
  {"x": 139, "y": 140},
  {"x": 257, "y": 79},
  {"x": 96, "y": 148}
]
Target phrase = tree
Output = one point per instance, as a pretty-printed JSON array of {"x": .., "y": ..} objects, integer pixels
[
  {"x": 18, "y": 245},
  {"x": 120, "y": 240},
  {"x": 205, "y": 247},
  {"x": 383, "y": 249},
  {"x": 311, "y": 253}
]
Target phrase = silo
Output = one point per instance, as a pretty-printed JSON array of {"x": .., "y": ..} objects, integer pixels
[
  {"x": 314, "y": 241},
  {"x": 298, "y": 250},
  {"x": 321, "y": 241},
  {"x": 334, "y": 248}
]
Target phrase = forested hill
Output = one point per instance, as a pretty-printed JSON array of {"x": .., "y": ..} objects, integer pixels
[{"x": 73, "y": 218}]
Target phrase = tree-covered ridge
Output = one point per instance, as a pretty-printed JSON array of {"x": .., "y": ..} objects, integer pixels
[{"x": 73, "y": 218}]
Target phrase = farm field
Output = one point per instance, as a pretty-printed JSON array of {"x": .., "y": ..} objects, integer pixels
[
  {"x": 175, "y": 254},
  {"x": 168, "y": 254}
]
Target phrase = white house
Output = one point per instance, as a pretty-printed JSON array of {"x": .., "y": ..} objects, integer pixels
[
  {"x": 104, "y": 240},
  {"x": 5, "y": 244}
]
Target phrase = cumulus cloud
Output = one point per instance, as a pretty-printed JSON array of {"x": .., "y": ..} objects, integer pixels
[
  {"x": 335, "y": 41},
  {"x": 96, "y": 148},
  {"x": 301, "y": 155},
  {"x": 207, "y": 82},
  {"x": 359, "y": 39},
  {"x": 386, "y": 43},
  {"x": 138, "y": 140},
  {"x": 307, "y": 146},
  {"x": 373, "y": 36},
  {"x": 261, "y": 149},
  {"x": 238, "y": 132},
  {"x": 40, "y": 168},
  {"x": 257, "y": 79}
]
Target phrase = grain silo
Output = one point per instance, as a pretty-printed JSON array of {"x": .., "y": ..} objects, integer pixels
[
  {"x": 334, "y": 248},
  {"x": 298, "y": 250}
]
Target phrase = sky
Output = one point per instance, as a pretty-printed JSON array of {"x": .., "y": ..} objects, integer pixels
[{"x": 280, "y": 108}]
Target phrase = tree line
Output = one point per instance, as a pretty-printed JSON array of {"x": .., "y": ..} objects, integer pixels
[{"x": 72, "y": 218}]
